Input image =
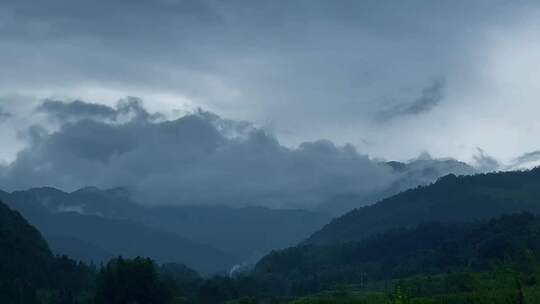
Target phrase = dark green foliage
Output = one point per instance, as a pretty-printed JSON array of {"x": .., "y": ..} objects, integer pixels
[
  {"x": 217, "y": 290},
  {"x": 17, "y": 292},
  {"x": 28, "y": 269},
  {"x": 125, "y": 281},
  {"x": 23, "y": 252},
  {"x": 451, "y": 198},
  {"x": 428, "y": 249},
  {"x": 488, "y": 288},
  {"x": 179, "y": 272},
  {"x": 181, "y": 281},
  {"x": 220, "y": 289}
]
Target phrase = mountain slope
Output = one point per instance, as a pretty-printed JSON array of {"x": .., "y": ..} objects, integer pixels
[
  {"x": 243, "y": 232},
  {"x": 428, "y": 249},
  {"x": 451, "y": 198},
  {"x": 419, "y": 172},
  {"x": 27, "y": 264},
  {"x": 108, "y": 236},
  {"x": 22, "y": 249},
  {"x": 246, "y": 233}
]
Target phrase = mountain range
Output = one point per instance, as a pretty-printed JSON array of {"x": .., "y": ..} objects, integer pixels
[{"x": 94, "y": 225}]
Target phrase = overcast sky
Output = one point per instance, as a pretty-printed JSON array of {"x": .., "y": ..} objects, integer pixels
[{"x": 393, "y": 78}]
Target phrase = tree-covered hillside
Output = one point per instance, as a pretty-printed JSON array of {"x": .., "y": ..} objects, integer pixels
[
  {"x": 428, "y": 249},
  {"x": 27, "y": 266},
  {"x": 451, "y": 198}
]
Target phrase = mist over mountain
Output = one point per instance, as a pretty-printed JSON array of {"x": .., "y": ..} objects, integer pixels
[
  {"x": 223, "y": 190},
  {"x": 421, "y": 171},
  {"x": 71, "y": 232},
  {"x": 74, "y": 222},
  {"x": 199, "y": 159},
  {"x": 94, "y": 225}
]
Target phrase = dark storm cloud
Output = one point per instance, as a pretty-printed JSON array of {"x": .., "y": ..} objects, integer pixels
[
  {"x": 188, "y": 160},
  {"x": 78, "y": 109},
  {"x": 310, "y": 68},
  {"x": 129, "y": 108},
  {"x": 199, "y": 158},
  {"x": 430, "y": 97},
  {"x": 229, "y": 55}
]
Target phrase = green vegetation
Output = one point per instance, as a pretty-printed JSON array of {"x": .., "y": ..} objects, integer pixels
[
  {"x": 450, "y": 260},
  {"x": 451, "y": 198},
  {"x": 501, "y": 286},
  {"x": 493, "y": 261},
  {"x": 428, "y": 249},
  {"x": 130, "y": 281},
  {"x": 29, "y": 271}
]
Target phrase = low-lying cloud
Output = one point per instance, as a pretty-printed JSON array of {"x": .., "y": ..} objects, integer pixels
[{"x": 199, "y": 158}]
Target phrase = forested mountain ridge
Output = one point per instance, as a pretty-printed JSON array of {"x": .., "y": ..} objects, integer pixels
[
  {"x": 428, "y": 249},
  {"x": 20, "y": 244},
  {"x": 419, "y": 172},
  {"x": 245, "y": 233},
  {"x": 27, "y": 265},
  {"x": 451, "y": 198}
]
